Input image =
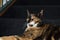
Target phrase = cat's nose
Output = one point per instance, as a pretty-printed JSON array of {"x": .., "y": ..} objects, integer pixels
[{"x": 30, "y": 25}]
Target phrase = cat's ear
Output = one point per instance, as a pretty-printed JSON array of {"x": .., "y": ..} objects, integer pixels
[
  {"x": 41, "y": 13},
  {"x": 28, "y": 13}
]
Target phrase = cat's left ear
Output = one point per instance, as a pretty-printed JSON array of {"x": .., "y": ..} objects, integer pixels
[
  {"x": 41, "y": 13},
  {"x": 28, "y": 13}
]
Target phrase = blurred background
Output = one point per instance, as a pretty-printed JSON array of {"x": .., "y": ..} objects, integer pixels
[{"x": 12, "y": 21}]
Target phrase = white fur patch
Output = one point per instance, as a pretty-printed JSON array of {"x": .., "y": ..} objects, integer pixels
[{"x": 31, "y": 23}]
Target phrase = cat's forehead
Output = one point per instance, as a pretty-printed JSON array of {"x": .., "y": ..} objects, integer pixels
[{"x": 33, "y": 14}]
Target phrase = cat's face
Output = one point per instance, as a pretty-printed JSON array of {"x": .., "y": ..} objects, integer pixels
[{"x": 33, "y": 19}]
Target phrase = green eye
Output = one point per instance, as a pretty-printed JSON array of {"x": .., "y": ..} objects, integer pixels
[{"x": 5, "y": 4}]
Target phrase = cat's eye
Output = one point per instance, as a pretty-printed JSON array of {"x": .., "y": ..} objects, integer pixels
[{"x": 32, "y": 19}]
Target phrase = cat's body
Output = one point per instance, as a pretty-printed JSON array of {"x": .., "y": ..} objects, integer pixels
[{"x": 36, "y": 30}]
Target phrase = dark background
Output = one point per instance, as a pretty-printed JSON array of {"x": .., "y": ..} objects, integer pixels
[
  {"x": 18, "y": 9},
  {"x": 37, "y": 2},
  {"x": 12, "y": 22}
]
